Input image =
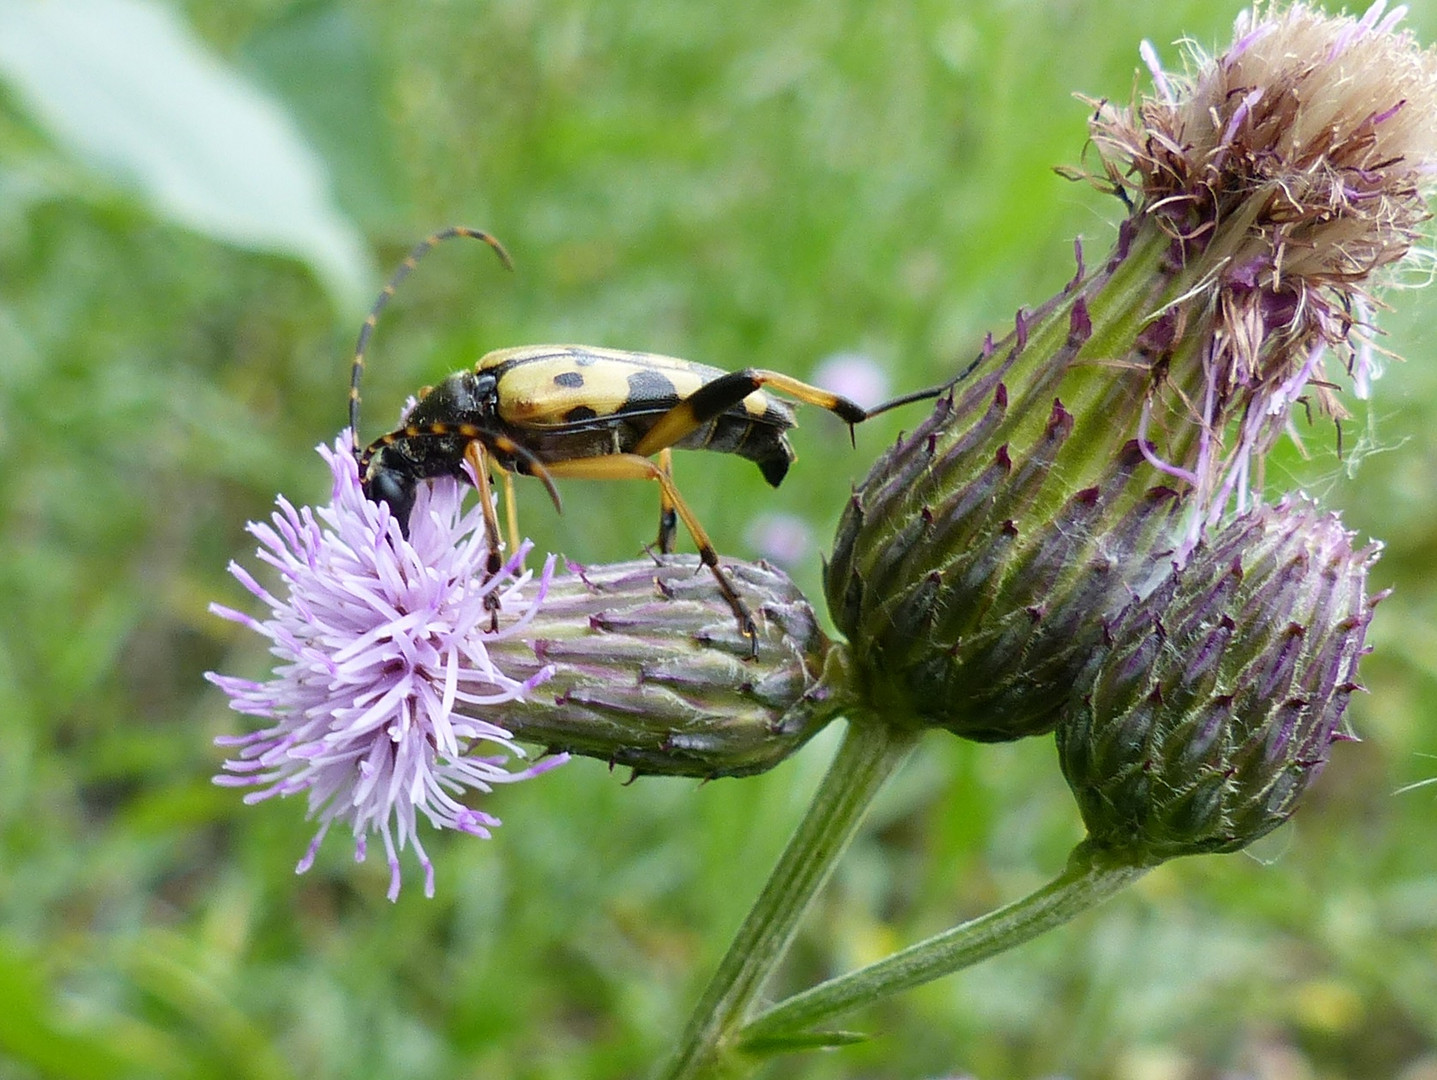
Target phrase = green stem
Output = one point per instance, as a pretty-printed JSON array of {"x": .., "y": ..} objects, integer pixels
[
  {"x": 1089, "y": 878},
  {"x": 869, "y": 754}
]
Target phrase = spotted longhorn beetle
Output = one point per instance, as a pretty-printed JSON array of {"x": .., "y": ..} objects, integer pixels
[{"x": 556, "y": 411}]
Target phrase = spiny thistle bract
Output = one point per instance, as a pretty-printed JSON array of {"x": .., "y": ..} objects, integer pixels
[{"x": 647, "y": 669}]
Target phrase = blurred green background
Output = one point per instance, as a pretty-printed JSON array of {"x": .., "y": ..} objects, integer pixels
[{"x": 198, "y": 201}]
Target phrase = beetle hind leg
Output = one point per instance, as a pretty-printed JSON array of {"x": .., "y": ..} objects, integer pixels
[
  {"x": 634, "y": 467},
  {"x": 721, "y": 394}
]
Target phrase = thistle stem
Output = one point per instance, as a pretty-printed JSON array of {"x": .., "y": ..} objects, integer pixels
[
  {"x": 869, "y": 754},
  {"x": 1089, "y": 878}
]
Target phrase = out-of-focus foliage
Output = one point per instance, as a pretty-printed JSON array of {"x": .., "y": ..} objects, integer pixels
[
  {"x": 121, "y": 85},
  {"x": 737, "y": 183}
]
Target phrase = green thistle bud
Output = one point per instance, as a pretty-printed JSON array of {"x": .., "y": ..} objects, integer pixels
[
  {"x": 965, "y": 616},
  {"x": 976, "y": 565},
  {"x": 646, "y": 668},
  {"x": 1220, "y": 696}
]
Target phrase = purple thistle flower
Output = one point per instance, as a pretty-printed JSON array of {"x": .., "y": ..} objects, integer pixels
[{"x": 382, "y": 667}]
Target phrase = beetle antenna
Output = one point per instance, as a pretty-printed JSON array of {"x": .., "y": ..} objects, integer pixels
[
  {"x": 536, "y": 469},
  {"x": 908, "y": 399},
  {"x": 405, "y": 268},
  {"x": 932, "y": 391}
]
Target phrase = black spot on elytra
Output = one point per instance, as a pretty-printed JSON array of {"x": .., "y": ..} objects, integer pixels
[
  {"x": 579, "y": 412},
  {"x": 571, "y": 379},
  {"x": 652, "y": 388}
]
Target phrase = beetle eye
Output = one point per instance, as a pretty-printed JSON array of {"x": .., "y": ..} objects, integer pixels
[{"x": 395, "y": 490}]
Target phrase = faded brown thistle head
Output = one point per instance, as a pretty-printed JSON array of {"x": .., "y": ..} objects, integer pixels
[{"x": 1288, "y": 173}]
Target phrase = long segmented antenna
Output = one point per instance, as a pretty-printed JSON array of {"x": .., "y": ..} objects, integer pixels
[
  {"x": 540, "y": 473},
  {"x": 405, "y": 268},
  {"x": 907, "y": 399},
  {"x": 931, "y": 392}
]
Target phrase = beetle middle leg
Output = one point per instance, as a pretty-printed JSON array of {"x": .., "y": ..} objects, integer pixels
[
  {"x": 668, "y": 519},
  {"x": 634, "y": 467}
]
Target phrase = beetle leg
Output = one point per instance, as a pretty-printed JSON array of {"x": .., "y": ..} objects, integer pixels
[
  {"x": 634, "y": 467},
  {"x": 478, "y": 459},
  {"x": 719, "y": 395},
  {"x": 511, "y": 509},
  {"x": 850, "y": 412},
  {"x": 668, "y": 519}
]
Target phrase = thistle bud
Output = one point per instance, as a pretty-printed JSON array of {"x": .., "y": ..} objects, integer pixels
[
  {"x": 645, "y": 667},
  {"x": 1218, "y": 699},
  {"x": 975, "y": 567},
  {"x": 974, "y": 612}
]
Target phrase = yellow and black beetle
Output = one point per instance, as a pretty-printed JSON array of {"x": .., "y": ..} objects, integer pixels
[{"x": 554, "y": 411}]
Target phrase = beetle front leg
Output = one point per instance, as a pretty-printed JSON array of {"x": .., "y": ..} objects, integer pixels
[
  {"x": 511, "y": 509},
  {"x": 478, "y": 459}
]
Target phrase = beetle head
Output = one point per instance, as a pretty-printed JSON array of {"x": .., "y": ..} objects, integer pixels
[{"x": 387, "y": 481}]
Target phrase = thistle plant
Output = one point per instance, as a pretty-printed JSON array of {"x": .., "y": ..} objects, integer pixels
[
  {"x": 1268, "y": 188},
  {"x": 1077, "y": 540}
]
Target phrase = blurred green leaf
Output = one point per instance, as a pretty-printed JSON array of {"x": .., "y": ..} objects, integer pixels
[
  {"x": 322, "y": 61},
  {"x": 124, "y": 85},
  {"x": 29, "y": 1033}
]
